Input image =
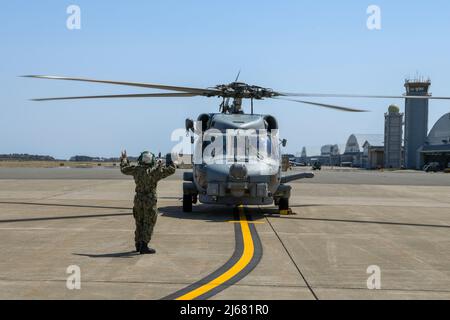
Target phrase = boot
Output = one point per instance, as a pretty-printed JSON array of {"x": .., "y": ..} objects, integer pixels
[
  {"x": 144, "y": 249},
  {"x": 138, "y": 246}
]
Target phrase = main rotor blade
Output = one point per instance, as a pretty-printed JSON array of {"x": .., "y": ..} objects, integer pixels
[
  {"x": 326, "y": 95},
  {"x": 144, "y": 95},
  {"x": 198, "y": 91},
  {"x": 324, "y": 105}
]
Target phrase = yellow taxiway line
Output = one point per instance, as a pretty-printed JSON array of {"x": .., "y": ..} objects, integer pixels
[
  {"x": 245, "y": 259},
  {"x": 249, "y": 222}
]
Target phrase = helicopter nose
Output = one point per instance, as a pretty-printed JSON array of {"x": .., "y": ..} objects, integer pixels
[{"x": 238, "y": 171}]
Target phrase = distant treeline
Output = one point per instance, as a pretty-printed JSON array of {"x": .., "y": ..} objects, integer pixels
[
  {"x": 97, "y": 159},
  {"x": 25, "y": 157},
  {"x": 35, "y": 157}
]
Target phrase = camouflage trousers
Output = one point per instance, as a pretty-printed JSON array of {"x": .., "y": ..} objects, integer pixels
[{"x": 145, "y": 213}]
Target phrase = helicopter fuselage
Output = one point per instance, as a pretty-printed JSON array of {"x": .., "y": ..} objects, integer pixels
[{"x": 250, "y": 178}]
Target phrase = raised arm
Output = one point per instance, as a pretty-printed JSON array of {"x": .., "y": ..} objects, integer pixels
[
  {"x": 125, "y": 166},
  {"x": 160, "y": 171}
]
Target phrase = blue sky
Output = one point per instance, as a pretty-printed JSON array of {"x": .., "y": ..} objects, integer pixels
[{"x": 294, "y": 46}]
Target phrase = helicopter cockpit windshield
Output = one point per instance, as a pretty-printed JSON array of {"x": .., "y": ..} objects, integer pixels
[{"x": 240, "y": 146}]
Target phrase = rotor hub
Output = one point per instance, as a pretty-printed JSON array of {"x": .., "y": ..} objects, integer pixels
[{"x": 244, "y": 91}]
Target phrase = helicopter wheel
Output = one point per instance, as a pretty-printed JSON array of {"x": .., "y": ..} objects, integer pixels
[
  {"x": 187, "y": 203},
  {"x": 283, "y": 204}
]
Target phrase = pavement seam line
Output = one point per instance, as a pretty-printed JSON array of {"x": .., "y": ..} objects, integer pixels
[
  {"x": 238, "y": 285},
  {"x": 293, "y": 261}
]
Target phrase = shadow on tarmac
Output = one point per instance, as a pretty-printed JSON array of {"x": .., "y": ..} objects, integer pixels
[
  {"x": 128, "y": 254},
  {"x": 365, "y": 222},
  {"x": 209, "y": 213},
  {"x": 62, "y": 205},
  {"x": 67, "y": 217}
]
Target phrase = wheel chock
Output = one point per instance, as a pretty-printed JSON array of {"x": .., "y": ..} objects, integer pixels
[{"x": 287, "y": 212}]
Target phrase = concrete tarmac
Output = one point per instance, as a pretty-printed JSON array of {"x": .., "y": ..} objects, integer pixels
[{"x": 345, "y": 222}]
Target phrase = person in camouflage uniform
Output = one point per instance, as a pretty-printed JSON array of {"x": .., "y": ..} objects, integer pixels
[{"x": 146, "y": 176}]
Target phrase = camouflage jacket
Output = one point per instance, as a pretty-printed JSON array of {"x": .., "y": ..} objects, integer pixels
[{"x": 146, "y": 178}]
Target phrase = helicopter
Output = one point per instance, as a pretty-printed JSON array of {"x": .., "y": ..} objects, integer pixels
[{"x": 238, "y": 157}]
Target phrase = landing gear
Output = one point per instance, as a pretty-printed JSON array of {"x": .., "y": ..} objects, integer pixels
[
  {"x": 283, "y": 204},
  {"x": 187, "y": 203},
  {"x": 190, "y": 195},
  {"x": 281, "y": 199}
]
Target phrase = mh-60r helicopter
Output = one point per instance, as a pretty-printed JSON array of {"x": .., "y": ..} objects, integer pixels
[{"x": 253, "y": 178}]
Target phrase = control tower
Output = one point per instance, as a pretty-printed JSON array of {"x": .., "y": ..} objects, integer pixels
[{"x": 416, "y": 120}]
